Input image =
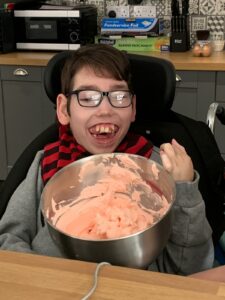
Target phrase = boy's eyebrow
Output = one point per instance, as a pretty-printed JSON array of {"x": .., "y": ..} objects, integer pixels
[{"x": 94, "y": 87}]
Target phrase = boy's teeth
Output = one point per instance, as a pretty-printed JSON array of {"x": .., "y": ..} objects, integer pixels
[{"x": 104, "y": 129}]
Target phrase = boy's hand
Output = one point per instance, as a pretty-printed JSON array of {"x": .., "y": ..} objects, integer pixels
[{"x": 176, "y": 161}]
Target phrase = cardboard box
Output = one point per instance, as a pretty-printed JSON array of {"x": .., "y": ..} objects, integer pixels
[
  {"x": 132, "y": 26},
  {"x": 137, "y": 44}
]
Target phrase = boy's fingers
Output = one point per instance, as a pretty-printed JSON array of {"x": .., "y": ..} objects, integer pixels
[
  {"x": 166, "y": 161},
  {"x": 178, "y": 146},
  {"x": 168, "y": 149}
]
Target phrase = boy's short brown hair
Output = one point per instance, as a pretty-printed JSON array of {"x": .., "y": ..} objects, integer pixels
[{"x": 103, "y": 59}]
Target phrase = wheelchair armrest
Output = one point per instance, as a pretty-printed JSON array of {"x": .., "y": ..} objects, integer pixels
[{"x": 215, "y": 110}]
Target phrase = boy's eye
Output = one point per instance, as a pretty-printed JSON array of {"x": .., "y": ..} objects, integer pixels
[
  {"x": 119, "y": 96},
  {"x": 94, "y": 97},
  {"x": 88, "y": 97}
]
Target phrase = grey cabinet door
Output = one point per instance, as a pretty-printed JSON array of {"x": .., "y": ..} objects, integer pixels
[
  {"x": 27, "y": 110},
  {"x": 185, "y": 101},
  {"x": 194, "y": 93},
  {"x": 3, "y": 157},
  {"x": 220, "y": 97}
]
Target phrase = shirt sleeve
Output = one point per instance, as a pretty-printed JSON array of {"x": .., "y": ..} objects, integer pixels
[
  {"x": 190, "y": 248},
  {"x": 18, "y": 225}
]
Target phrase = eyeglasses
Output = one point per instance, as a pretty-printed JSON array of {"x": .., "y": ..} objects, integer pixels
[{"x": 92, "y": 98}]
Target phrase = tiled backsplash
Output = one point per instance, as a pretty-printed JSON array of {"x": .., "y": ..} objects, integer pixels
[{"x": 204, "y": 14}]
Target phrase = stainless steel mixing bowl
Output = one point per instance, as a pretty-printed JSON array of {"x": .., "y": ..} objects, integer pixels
[{"x": 137, "y": 250}]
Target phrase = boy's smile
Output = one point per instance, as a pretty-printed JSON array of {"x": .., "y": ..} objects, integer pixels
[
  {"x": 103, "y": 131},
  {"x": 98, "y": 129},
  {"x": 104, "y": 135}
]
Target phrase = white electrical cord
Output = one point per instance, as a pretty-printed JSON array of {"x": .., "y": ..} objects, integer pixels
[{"x": 91, "y": 291}]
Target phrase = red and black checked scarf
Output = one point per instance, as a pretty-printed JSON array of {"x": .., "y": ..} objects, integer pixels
[{"x": 66, "y": 150}]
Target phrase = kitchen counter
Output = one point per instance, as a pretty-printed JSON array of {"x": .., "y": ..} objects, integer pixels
[
  {"x": 27, "y": 276},
  {"x": 29, "y": 58},
  {"x": 181, "y": 60}
]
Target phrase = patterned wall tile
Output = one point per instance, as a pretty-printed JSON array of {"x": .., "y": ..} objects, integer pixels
[
  {"x": 168, "y": 7},
  {"x": 99, "y": 4},
  {"x": 203, "y": 7},
  {"x": 215, "y": 24},
  {"x": 131, "y": 10},
  {"x": 167, "y": 25},
  {"x": 122, "y": 2},
  {"x": 193, "y": 7},
  {"x": 207, "y": 7},
  {"x": 152, "y": 2},
  {"x": 220, "y": 7},
  {"x": 198, "y": 23},
  {"x": 212, "y": 8},
  {"x": 160, "y": 8},
  {"x": 111, "y": 2}
]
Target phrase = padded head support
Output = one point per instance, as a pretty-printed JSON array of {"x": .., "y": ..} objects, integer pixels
[
  {"x": 52, "y": 74},
  {"x": 154, "y": 81}
]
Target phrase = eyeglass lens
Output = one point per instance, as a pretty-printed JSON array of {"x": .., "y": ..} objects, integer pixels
[{"x": 90, "y": 98}]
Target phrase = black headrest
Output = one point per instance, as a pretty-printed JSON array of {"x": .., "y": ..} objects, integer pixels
[
  {"x": 154, "y": 81},
  {"x": 52, "y": 74}
]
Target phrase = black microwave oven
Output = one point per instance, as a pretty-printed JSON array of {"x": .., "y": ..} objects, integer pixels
[{"x": 55, "y": 28}]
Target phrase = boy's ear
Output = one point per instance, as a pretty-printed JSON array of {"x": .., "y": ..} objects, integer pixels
[
  {"x": 61, "y": 109},
  {"x": 134, "y": 109}
]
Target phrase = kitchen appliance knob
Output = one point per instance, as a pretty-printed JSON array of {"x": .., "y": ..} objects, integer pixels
[
  {"x": 73, "y": 21},
  {"x": 73, "y": 36}
]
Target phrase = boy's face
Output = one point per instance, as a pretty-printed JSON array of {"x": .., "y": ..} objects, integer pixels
[{"x": 98, "y": 129}]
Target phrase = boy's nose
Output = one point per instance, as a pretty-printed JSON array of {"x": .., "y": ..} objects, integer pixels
[{"x": 105, "y": 106}]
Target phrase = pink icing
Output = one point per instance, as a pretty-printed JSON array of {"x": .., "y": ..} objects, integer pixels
[{"x": 110, "y": 209}]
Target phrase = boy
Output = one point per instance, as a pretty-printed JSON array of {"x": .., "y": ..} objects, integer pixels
[{"x": 95, "y": 110}]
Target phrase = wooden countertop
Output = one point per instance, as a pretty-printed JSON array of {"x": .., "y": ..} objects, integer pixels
[
  {"x": 26, "y": 276},
  {"x": 181, "y": 60},
  {"x": 29, "y": 58}
]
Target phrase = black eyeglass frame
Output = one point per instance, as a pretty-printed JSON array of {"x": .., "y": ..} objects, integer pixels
[{"x": 107, "y": 94}]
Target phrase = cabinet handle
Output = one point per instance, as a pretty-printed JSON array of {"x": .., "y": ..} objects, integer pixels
[
  {"x": 20, "y": 72},
  {"x": 178, "y": 78}
]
